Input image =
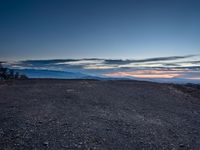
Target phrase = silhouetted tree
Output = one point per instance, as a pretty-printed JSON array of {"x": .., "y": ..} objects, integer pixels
[
  {"x": 3, "y": 72},
  {"x": 17, "y": 75},
  {"x": 23, "y": 77},
  {"x": 7, "y": 74},
  {"x": 11, "y": 74}
]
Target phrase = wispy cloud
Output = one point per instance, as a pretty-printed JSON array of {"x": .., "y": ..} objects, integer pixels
[
  {"x": 95, "y": 63},
  {"x": 120, "y": 61}
]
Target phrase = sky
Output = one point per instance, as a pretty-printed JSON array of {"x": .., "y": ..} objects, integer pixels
[
  {"x": 137, "y": 39},
  {"x": 107, "y": 29}
]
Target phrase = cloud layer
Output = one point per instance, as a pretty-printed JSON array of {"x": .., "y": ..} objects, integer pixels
[{"x": 185, "y": 67}]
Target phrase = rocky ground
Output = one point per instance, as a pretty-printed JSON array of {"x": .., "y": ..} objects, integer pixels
[{"x": 52, "y": 114}]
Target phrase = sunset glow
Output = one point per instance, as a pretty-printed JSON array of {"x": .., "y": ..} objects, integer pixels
[
  {"x": 145, "y": 74},
  {"x": 158, "y": 74},
  {"x": 194, "y": 78}
]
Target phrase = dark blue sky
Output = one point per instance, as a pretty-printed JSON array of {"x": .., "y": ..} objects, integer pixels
[{"x": 98, "y": 28}]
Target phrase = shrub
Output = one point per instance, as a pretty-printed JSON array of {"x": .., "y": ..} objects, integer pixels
[{"x": 7, "y": 74}]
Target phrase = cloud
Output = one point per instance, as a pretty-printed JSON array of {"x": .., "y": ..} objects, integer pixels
[
  {"x": 95, "y": 66},
  {"x": 194, "y": 62},
  {"x": 171, "y": 64},
  {"x": 145, "y": 74},
  {"x": 117, "y": 61},
  {"x": 168, "y": 68},
  {"x": 156, "y": 59},
  {"x": 95, "y": 63},
  {"x": 157, "y": 74}
]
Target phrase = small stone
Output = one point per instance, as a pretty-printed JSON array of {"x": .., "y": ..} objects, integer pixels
[
  {"x": 12, "y": 129},
  {"x": 108, "y": 129},
  {"x": 1, "y": 132},
  {"x": 46, "y": 143},
  {"x": 181, "y": 145}
]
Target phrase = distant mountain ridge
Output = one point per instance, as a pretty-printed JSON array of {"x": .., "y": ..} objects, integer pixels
[
  {"x": 37, "y": 73},
  {"x": 42, "y": 73}
]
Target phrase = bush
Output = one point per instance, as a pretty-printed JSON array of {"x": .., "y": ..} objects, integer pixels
[
  {"x": 16, "y": 75},
  {"x": 7, "y": 74},
  {"x": 23, "y": 77}
]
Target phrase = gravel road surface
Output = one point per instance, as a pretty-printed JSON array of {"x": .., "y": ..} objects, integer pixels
[{"x": 52, "y": 114}]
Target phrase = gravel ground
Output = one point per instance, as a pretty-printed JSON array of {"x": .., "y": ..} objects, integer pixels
[{"x": 53, "y": 114}]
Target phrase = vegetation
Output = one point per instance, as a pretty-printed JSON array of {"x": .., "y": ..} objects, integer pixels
[{"x": 8, "y": 74}]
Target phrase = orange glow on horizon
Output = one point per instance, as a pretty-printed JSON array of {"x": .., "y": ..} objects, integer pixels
[
  {"x": 194, "y": 78},
  {"x": 145, "y": 74}
]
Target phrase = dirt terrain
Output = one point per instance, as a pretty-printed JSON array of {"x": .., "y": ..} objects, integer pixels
[{"x": 53, "y": 114}]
